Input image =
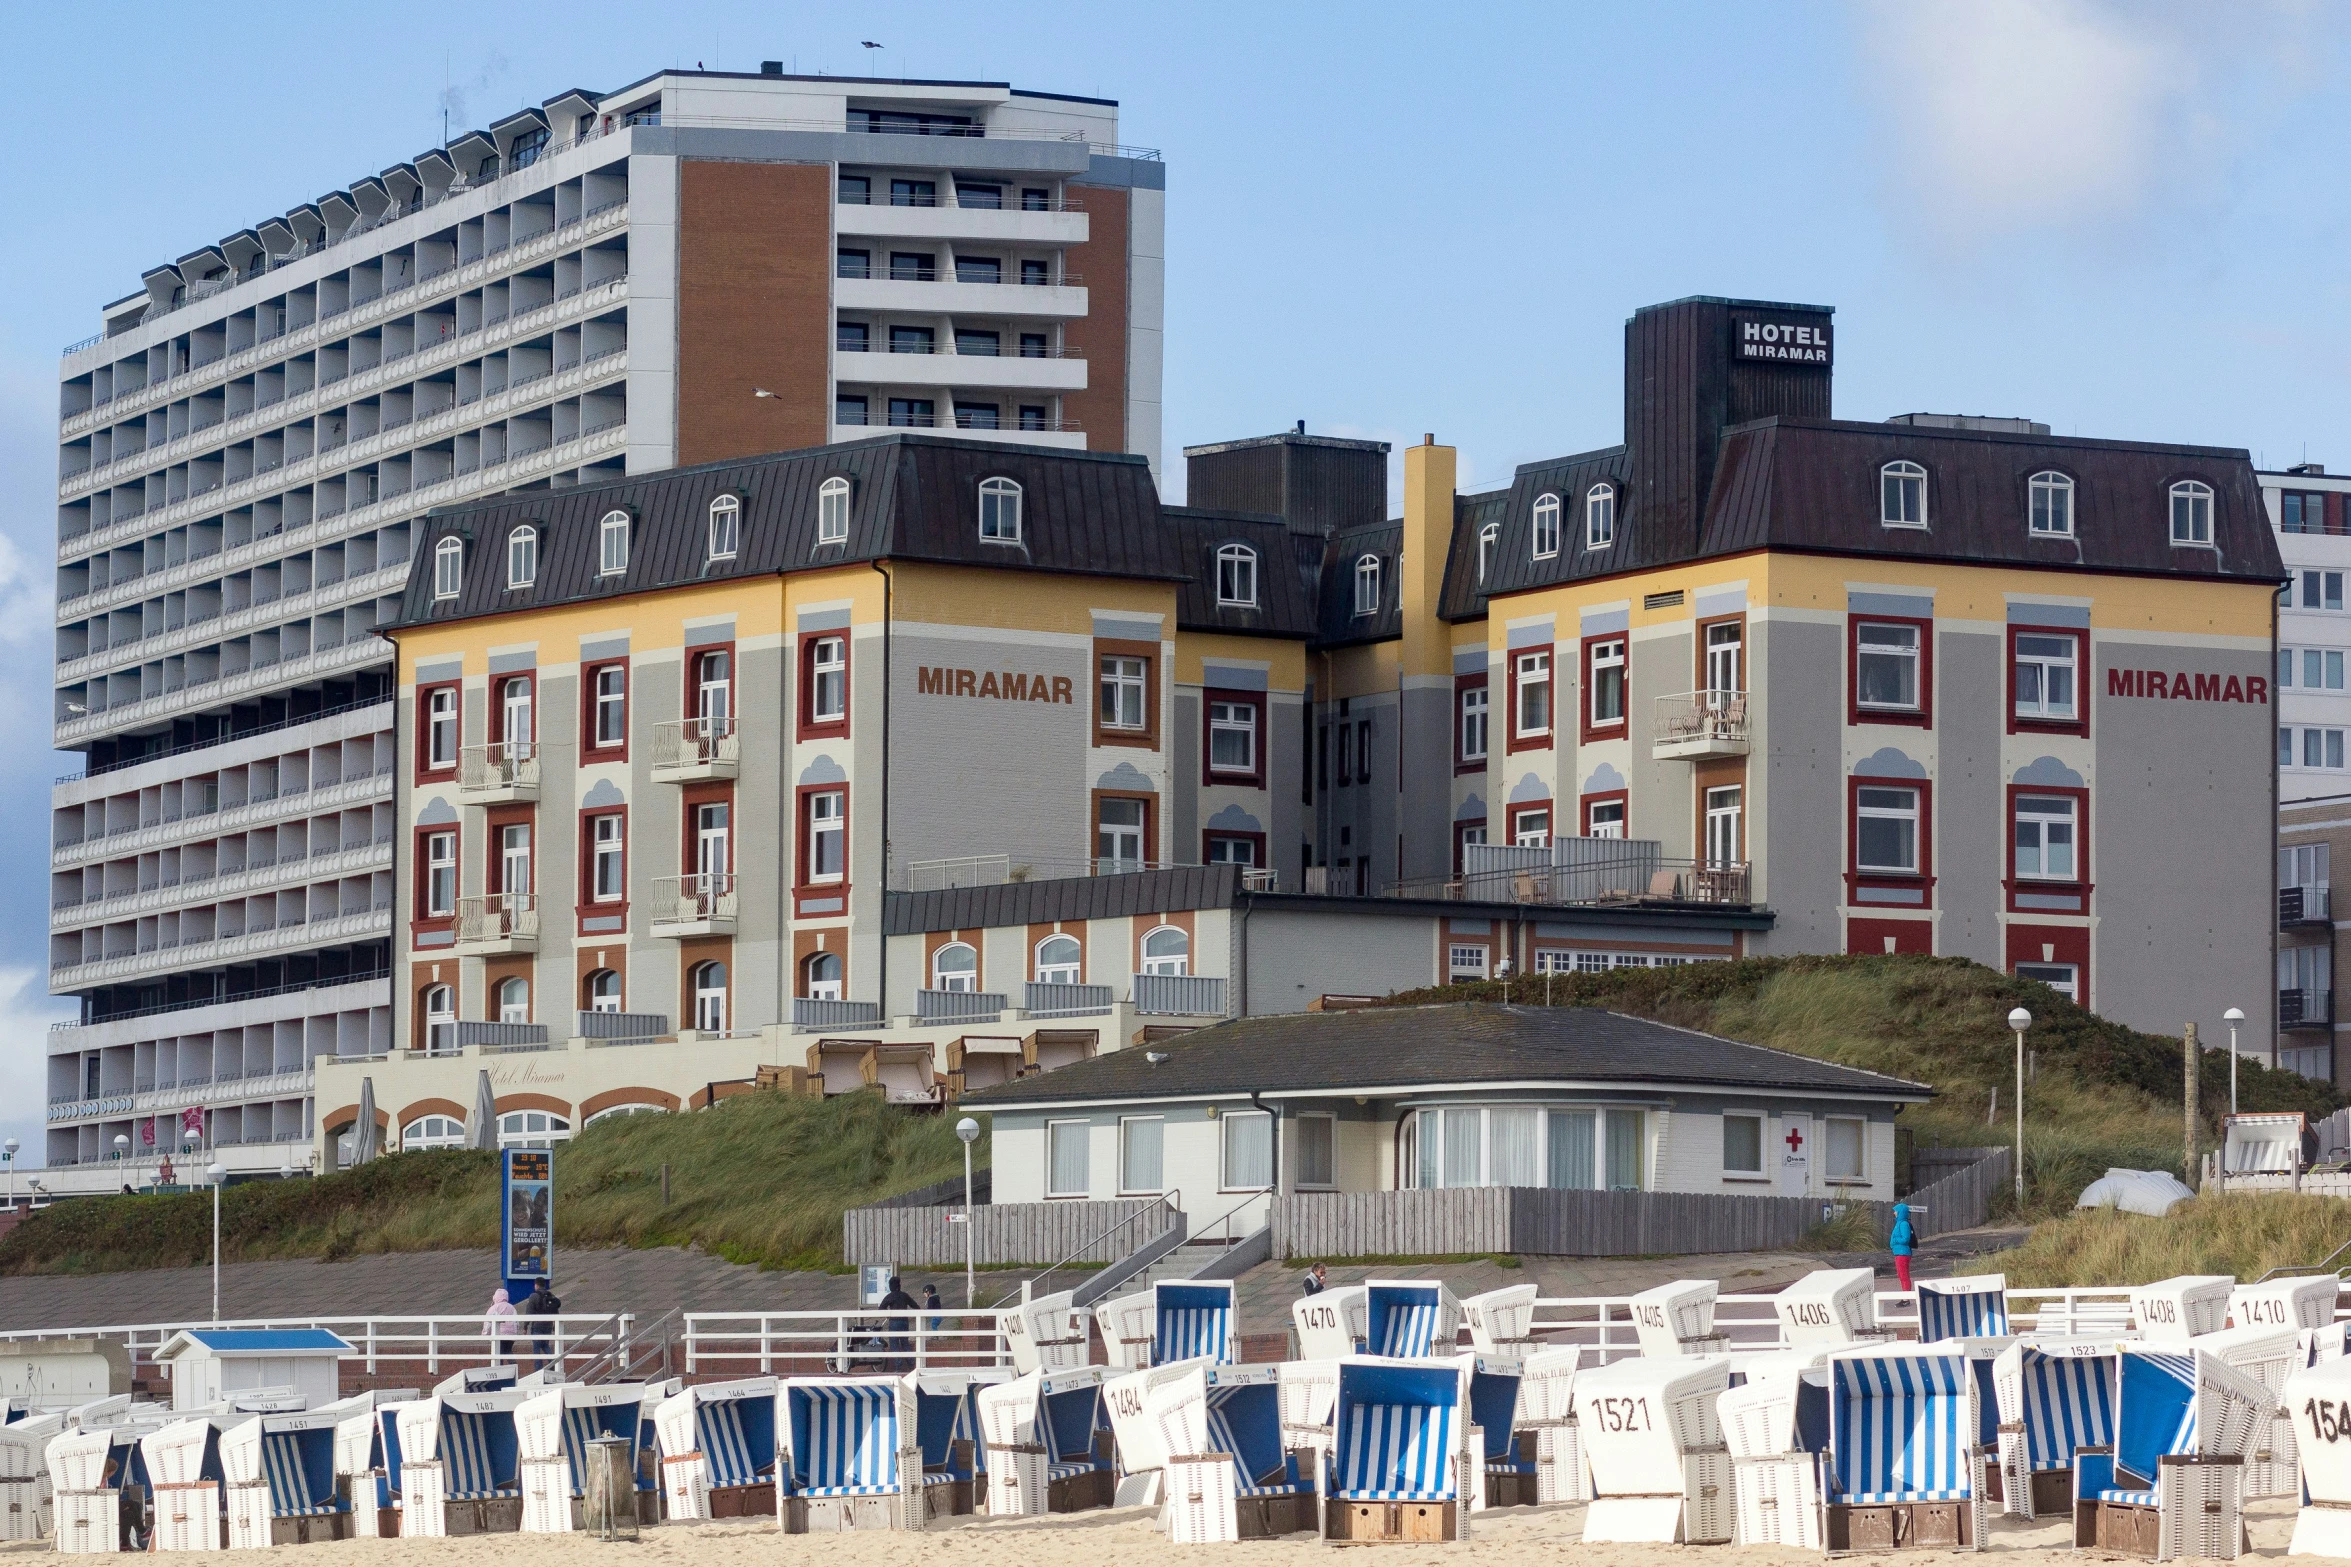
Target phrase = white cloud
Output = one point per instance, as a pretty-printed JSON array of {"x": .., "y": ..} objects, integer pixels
[
  {"x": 25, "y": 1015},
  {"x": 2078, "y": 115}
]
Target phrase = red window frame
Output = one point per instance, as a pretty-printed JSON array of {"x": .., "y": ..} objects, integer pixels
[
  {"x": 810, "y": 727},
  {"x": 494, "y": 705},
  {"x": 1517, "y": 741},
  {"x": 1866, "y": 936},
  {"x": 1855, "y": 713},
  {"x": 589, "y": 904},
  {"x": 1463, "y": 762},
  {"x": 1519, "y": 810},
  {"x": 1254, "y": 778},
  {"x": 1622, "y": 797},
  {"x": 494, "y": 821},
  {"x": 1256, "y": 840},
  {"x": 420, "y": 920},
  {"x": 2080, "y": 887},
  {"x": 802, "y": 887},
  {"x": 1461, "y": 827},
  {"x": 2080, "y": 723},
  {"x": 425, "y": 771},
  {"x": 690, "y": 691},
  {"x": 1923, "y": 881},
  {"x": 2067, "y": 944},
  {"x": 1618, "y": 727},
  {"x": 591, "y": 748}
]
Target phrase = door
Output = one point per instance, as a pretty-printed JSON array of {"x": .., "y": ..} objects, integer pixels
[
  {"x": 1795, "y": 1154},
  {"x": 1722, "y": 662}
]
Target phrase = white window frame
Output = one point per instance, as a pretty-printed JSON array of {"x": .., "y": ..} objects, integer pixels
[
  {"x": 1886, "y": 810},
  {"x": 522, "y": 558},
  {"x": 1236, "y": 576},
  {"x": 2049, "y": 508},
  {"x": 1859, "y": 1176},
  {"x": 832, "y": 511},
  {"x": 1367, "y": 584},
  {"x": 2042, "y": 663},
  {"x": 597, "y": 996},
  {"x": 519, "y": 1129},
  {"x": 1466, "y": 961},
  {"x": 1070, "y": 972},
  {"x": 2032, "y": 812},
  {"x": 1762, "y": 1122},
  {"x": 1606, "y": 656},
  {"x": 828, "y": 680},
  {"x": 828, "y": 818},
  {"x": 726, "y": 527},
  {"x": 421, "y": 1133},
  {"x": 448, "y": 568},
  {"x": 440, "y": 1020},
  {"x": 2191, "y": 514},
  {"x": 1084, "y": 1132},
  {"x": 1543, "y": 528},
  {"x": 1126, "y": 1126},
  {"x": 1489, "y": 539},
  {"x": 1525, "y": 835},
  {"x": 961, "y": 980},
  {"x": 1167, "y": 962},
  {"x": 440, "y": 876},
  {"x": 1298, "y": 1161},
  {"x": 608, "y": 851},
  {"x": 1233, "y": 718},
  {"x": 2064, "y": 978},
  {"x": 612, "y": 544},
  {"x": 1000, "y": 510},
  {"x": 710, "y": 1000},
  {"x": 1113, "y": 838},
  {"x": 1611, "y": 826},
  {"x": 1226, "y": 1123},
  {"x": 1126, "y": 683},
  {"x": 514, "y": 999},
  {"x": 1863, "y": 648},
  {"x": 1476, "y": 732},
  {"x": 514, "y": 862},
  {"x": 1600, "y": 517},
  {"x": 1899, "y": 484},
  {"x": 440, "y": 725},
  {"x": 829, "y": 988},
  {"x": 612, "y": 701},
  {"x": 1532, "y": 675},
  {"x": 1726, "y": 824},
  {"x": 2322, "y": 590}
]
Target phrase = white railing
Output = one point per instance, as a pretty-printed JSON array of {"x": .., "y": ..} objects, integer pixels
[
  {"x": 164, "y": 956},
  {"x": 275, "y": 877},
  {"x": 228, "y": 819},
  {"x": 327, "y": 597},
  {"x": 432, "y": 1346},
  {"x": 1698, "y": 723},
  {"x": 708, "y": 741},
  {"x": 503, "y": 764},
  {"x": 769, "y": 1343},
  {"x": 704, "y": 898},
  {"x": 361, "y": 649},
  {"x": 498, "y": 916}
]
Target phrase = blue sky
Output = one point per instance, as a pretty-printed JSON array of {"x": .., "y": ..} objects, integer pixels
[{"x": 2121, "y": 219}]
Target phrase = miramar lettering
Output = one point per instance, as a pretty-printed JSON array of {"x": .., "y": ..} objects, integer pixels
[
  {"x": 2182, "y": 687},
  {"x": 1009, "y": 686}
]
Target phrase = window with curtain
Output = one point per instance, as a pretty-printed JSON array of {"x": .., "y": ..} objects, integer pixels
[
  {"x": 1248, "y": 1151},
  {"x": 1317, "y": 1151},
  {"x": 1845, "y": 1149},
  {"x": 1065, "y": 1158},
  {"x": 1624, "y": 1150},
  {"x": 1572, "y": 1166},
  {"x": 1514, "y": 1152},
  {"x": 1462, "y": 1136},
  {"x": 1140, "y": 1141}
]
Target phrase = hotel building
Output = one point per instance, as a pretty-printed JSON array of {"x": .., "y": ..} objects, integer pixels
[{"x": 699, "y": 266}]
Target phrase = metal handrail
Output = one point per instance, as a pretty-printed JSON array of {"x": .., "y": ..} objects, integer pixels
[
  {"x": 1262, "y": 1191},
  {"x": 1168, "y": 1199}
]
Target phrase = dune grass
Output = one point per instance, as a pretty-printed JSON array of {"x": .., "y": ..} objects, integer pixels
[
  {"x": 2101, "y": 1095},
  {"x": 2245, "y": 1235},
  {"x": 760, "y": 1179}
]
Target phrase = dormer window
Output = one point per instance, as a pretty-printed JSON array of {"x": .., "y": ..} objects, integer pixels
[
  {"x": 1902, "y": 495},
  {"x": 2191, "y": 514},
  {"x": 1000, "y": 511},
  {"x": 612, "y": 544},
  {"x": 832, "y": 511},
  {"x": 726, "y": 526},
  {"x": 448, "y": 568},
  {"x": 1367, "y": 585},
  {"x": 522, "y": 557},
  {"x": 1599, "y": 516},
  {"x": 1488, "y": 537},
  {"x": 1546, "y": 526},
  {"x": 1236, "y": 576},
  {"x": 2051, "y": 514}
]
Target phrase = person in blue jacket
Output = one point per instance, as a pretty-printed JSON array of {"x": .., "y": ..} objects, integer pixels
[{"x": 1902, "y": 1242}]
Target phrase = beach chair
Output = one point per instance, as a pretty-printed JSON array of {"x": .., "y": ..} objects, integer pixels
[
  {"x": 1546, "y": 1408},
  {"x": 280, "y": 1478},
  {"x": 1501, "y": 1322},
  {"x": 362, "y": 1478},
  {"x": 1763, "y": 1365},
  {"x": 1652, "y": 1442},
  {"x": 1048, "y": 1447},
  {"x": 850, "y": 1458},
  {"x": 1776, "y": 1429},
  {"x": 947, "y": 1429},
  {"x": 1406, "y": 1319},
  {"x": 718, "y": 1449},
  {"x": 2055, "y": 1397},
  {"x": 1047, "y": 1333},
  {"x": 1125, "y": 1325},
  {"x": 24, "y": 1491},
  {"x": 2174, "y": 1311},
  {"x": 1504, "y": 1475},
  {"x": 1401, "y": 1463},
  {"x": 458, "y": 1462},
  {"x": 1906, "y": 1457},
  {"x": 1963, "y": 1308},
  {"x": 2318, "y": 1399},
  {"x": 2174, "y": 1483},
  {"x": 552, "y": 1431},
  {"x": 1228, "y": 1475},
  {"x": 2269, "y": 1355},
  {"x": 1309, "y": 1393},
  {"x": 1126, "y": 1404},
  {"x": 1832, "y": 1308},
  {"x": 1677, "y": 1319},
  {"x": 184, "y": 1475},
  {"x": 2286, "y": 1303},
  {"x": 100, "y": 1489},
  {"x": 1192, "y": 1319},
  {"x": 1333, "y": 1324}
]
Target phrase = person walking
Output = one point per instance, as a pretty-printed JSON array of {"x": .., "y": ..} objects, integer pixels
[
  {"x": 930, "y": 1303},
  {"x": 542, "y": 1305},
  {"x": 1902, "y": 1242},
  {"x": 1316, "y": 1280},
  {"x": 498, "y": 1327},
  {"x": 899, "y": 1300}
]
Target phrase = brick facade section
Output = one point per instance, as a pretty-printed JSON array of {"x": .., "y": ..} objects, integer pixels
[
  {"x": 755, "y": 258},
  {"x": 1101, "y": 409}
]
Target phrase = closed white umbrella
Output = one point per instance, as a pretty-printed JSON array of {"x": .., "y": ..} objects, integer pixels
[
  {"x": 365, "y": 1145},
  {"x": 481, "y": 1128}
]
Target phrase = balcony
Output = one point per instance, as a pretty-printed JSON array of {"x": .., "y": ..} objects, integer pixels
[
  {"x": 1586, "y": 873},
  {"x": 499, "y": 1038},
  {"x": 496, "y": 924},
  {"x": 1700, "y": 724},
  {"x": 872, "y": 361},
  {"x": 958, "y": 1006},
  {"x": 2305, "y": 906},
  {"x": 1179, "y": 995},
  {"x": 698, "y": 905},
  {"x": 498, "y": 774},
  {"x": 691, "y": 750},
  {"x": 824, "y": 1015},
  {"x": 620, "y": 1028},
  {"x": 915, "y": 294},
  {"x": 2306, "y": 1009},
  {"x": 1043, "y": 999},
  {"x": 1063, "y": 224}
]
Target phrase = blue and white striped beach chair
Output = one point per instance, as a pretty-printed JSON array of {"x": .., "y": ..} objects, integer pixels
[
  {"x": 850, "y": 1457},
  {"x": 1192, "y": 1320},
  {"x": 552, "y": 1433},
  {"x": 458, "y": 1449},
  {"x": 1400, "y": 1435},
  {"x": 1228, "y": 1474},
  {"x": 2174, "y": 1484},
  {"x": 1652, "y": 1444},
  {"x": 362, "y": 1464},
  {"x": 286, "y": 1465},
  {"x": 1906, "y": 1456},
  {"x": 718, "y": 1449},
  {"x": 1041, "y": 1454},
  {"x": 1962, "y": 1308},
  {"x": 1405, "y": 1320},
  {"x": 2055, "y": 1397},
  {"x": 947, "y": 1432}
]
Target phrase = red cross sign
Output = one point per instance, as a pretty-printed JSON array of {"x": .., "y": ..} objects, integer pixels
[{"x": 1795, "y": 1140}]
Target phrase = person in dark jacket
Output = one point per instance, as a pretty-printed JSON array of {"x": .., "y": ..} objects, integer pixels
[
  {"x": 899, "y": 1327},
  {"x": 930, "y": 1304},
  {"x": 1316, "y": 1282},
  {"x": 542, "y": 1304}
]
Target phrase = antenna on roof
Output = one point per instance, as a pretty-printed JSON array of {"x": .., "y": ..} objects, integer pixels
[{"x": 1301, "y": 427}]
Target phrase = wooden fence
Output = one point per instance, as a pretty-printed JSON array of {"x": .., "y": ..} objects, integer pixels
[{"x": 1036, "y": 1233}]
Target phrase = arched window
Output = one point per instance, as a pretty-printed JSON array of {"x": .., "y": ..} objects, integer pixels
[
  {"x": 1902, "y": 495},
  {"x": 602, "y": 991},
  {"x": 432, "y": 1131},
  {"x": 1000, "y": 511},
  {"x": 1167, "y": 950},
  {"x": 1488, "y": 537},
  {"x": 832, "y": 511},
  {"x": 612, "y": 544},
  {"x": 1236, "y": 575},
  {"x": 821, "y": 977},
  {"x": 609, "y": 1111},
  {"x": 532, "y": 1129},
  {"x": 2191, "y": 513},
  {"x": 522, "y": 557},
  {"x": 955, "y": 966},
  {"x": 1060, "y": 961},
  {"x": 1599, "y": 516},
  {"x": 710, "y": 998},
  {"x": 2052, "y": 506},
  {"x": 1546, "y": 526},
  {"x": 448, "y": 568},
  {"x": 514, "y": 1000},
  {"x": 514, "y": 717},
  {"x": 726, "y": 523},
  {"x": 440, "y": 1020},
  {"x": 1367, "y": 585}
]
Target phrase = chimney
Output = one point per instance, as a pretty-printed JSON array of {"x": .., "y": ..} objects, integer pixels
[{"x": 771, "y": 67}]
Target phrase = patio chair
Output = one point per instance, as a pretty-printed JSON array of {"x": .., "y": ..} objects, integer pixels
[
  {"x": 1652, "y": 1441},
  {"x": 2174, "y": 1483},
  {"x": 1906, "y": 1460}
]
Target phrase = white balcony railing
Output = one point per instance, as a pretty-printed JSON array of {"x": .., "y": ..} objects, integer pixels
[
  {"x": 1700, "y": 724},
  {"x": 507, "y": 769},
  {"x": 509, "y": 918},
  {"x": 704, "y": 747},
  {"x": 703, "y": 904}
]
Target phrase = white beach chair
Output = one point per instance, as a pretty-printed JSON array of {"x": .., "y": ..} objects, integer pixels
[
  {"x": 1834, "y": 1307},
  {"x": 1333, "y": 1324},
  {"x": 849, "y": 1456},
  {"x": 947, "y": 1430},
  {"x": 1043, "y": 1454},
  {"x": 1776, "y": 1428},
  {"x": 2055, "y": 1397},
  {"x": 2286, "y": 1303},
  {"x": 91, "y": 1470},
  {"x": 1501, "y": 1322},
  {"x": 1047, "y": 1333},
  {"x": 2318, "y": 1400},
  {"x": 1546, "y": 1406},
  {"x": 1309, "y": 1392},
  {"x": 2173, "y": 1311},
  {"x": 1401, "y": 1462},
  {"x": 183, "y": 1467},
  {"x": 1126, "y": 1324},
  {"x": 1126, "y": 1403},
  {"x": 2269, "y": 1355},
  {"x": 1677, "y": 1319},
  {"x": 2174, "y": 1484},
  {"x": 1652, "y": 1440},
  {"x": 24, "y": 1488}
]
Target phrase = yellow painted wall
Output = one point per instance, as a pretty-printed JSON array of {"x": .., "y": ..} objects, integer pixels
[
  {"x": 1287, "y": 659},
  {"x": 1022, "y": 600}
]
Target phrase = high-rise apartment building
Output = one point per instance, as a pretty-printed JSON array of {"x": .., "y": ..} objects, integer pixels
[{"x": 700, "y": 266}]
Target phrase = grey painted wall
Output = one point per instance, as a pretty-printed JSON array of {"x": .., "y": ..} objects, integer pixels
[{"x": 1294, "y": 958}]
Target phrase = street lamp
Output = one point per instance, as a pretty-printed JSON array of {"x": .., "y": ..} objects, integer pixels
[
  {"x": 217, "y": 1175},
  {"x": 969, "y": 1130},
  {"x": 8, "y": 1152},
  {"x": 2020, "y": 1020},
  {"x": 2233, "y": 1016}
]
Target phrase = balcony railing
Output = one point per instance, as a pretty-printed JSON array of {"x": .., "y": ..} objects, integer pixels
[
  {"x": 1700, "y": 724},
  {"x": 498, "y": 917},
  {"x": 2305, "y": 905},
  {"x": 1180, "y": 995},
  {"x": 2306, "y": 1008},
  {"x": 817, "y": 1015},
  {"x": 958, "y": 1006},
  {"x": 1055, "y": 999},
  {"x": 957, "y": 199},
  {"x": 510, "y": 769},
  {"x": 1586, "y": 873},
  {"x": 620, "y": 1027},
  {"x": 494, "y": 1037},
  {"x": 705, "y": 902},
  {"x": 705, "y": 747},
  {"x": 993, "y": 870}
]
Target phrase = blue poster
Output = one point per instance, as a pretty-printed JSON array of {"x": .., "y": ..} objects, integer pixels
[{"x": 528, "y": 1203}]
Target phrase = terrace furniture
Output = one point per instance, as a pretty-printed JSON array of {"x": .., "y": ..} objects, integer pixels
[
  {"x": 2269, "y": 1355},
  {"x": 2176, "y": 1310},
  {"x": 183, "y": 1467},
  {"x": 2318, "y": 1400},
  {"x": 1546, "y": 1407},
  {"x": 1408, "y": 1319},
  {"x": 1048, "y": 1445},
  {"x": 718, "y": 1449},
  {"x": 947, "y": 1430}
]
